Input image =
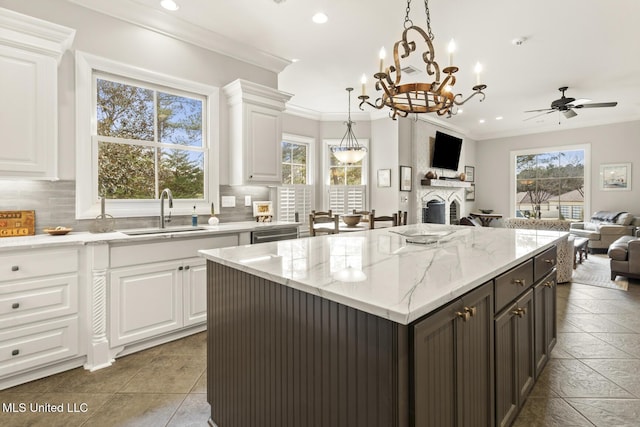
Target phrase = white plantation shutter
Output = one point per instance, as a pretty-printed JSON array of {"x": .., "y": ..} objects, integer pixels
[
  {"x": 292, "y": 199},
  {"x": 345, "y": 198}
]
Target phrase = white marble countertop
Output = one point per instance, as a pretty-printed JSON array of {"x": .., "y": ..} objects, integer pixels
[
  {"x": 378, "y": 272},
  {"x": 83, "y": 238}
]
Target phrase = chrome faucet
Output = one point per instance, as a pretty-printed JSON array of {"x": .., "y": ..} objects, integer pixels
[{"x": 165, "y": 193}]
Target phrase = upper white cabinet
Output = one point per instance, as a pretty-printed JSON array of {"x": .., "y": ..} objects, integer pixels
[
  {"x": 30, "y": 50},
  {"x": 255, "y": 132}
]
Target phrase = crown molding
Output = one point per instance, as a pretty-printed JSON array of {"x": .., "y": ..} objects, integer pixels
[
  {"x": 171, "y": 26},
  {"x": 33, "y": 34}
]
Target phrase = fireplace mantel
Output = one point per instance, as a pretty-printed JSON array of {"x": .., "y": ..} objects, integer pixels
[{"x": 444, "y": 183}]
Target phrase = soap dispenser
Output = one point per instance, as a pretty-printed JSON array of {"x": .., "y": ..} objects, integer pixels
[{"x": 194, "y": 218}]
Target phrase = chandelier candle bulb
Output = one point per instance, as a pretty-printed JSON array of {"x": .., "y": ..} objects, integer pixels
[
  {"x": 478, "y": 70},
  {"x": 363, "y": 80},
  {"x": 383, "y": 54},
  {"x": 451, "y": 48}
]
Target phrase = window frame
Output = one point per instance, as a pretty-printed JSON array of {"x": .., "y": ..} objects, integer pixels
[
  {"x": 326, "y": 176},
  {"x": 540, "y": 150},
  {"x": 310, "y": 146},
  {"x": 87, "y": 197}
]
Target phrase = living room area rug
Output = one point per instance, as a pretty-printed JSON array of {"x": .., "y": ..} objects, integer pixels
[{"x": 595, "y": 271}]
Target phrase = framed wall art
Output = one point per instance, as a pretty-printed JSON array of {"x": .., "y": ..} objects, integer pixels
[
  {"x": 615, "y": 177},
  {"x": 469, "y": 173},
  {"x": 470, "y": 193},
  {"x": 384, "y": 177},
  {"x": 405, "y": 178}
]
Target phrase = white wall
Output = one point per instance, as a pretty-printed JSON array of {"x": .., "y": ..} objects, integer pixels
[
  {"x": 120, "y": 41},
  {"x": 383, "y": 154},
  {"x": 616, "y": 143}
]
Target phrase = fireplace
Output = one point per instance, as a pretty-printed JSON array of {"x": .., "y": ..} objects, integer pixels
[
  {"x": 434, "y": 212},
  {"x": 440, "y": 205}
]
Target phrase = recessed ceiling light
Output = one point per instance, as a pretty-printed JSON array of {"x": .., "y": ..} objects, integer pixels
[
  {"x": 499, "y": 118},
  {"x": 320, "y": 18},
  {"x": 481, "y": 121},
  {"x": 518, "y": 41},
  {"x": 169, "y": 5}
]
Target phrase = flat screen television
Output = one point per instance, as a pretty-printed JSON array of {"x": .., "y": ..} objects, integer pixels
[{"x": 446, "y": 151}]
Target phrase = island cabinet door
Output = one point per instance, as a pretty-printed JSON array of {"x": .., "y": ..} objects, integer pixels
[
  {"x": 544, "y": 301},
  {"x": 514, "y": 366},
  {"x": 453, "y": 363}
]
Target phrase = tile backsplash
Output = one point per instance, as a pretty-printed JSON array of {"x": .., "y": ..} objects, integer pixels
[{"x": 54, "y": 203}]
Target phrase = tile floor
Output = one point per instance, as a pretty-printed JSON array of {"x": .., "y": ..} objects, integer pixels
[{"x": 592, "y": 379}]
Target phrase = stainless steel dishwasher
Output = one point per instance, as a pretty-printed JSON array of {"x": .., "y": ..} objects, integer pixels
[{"x": 274, "y": 234}]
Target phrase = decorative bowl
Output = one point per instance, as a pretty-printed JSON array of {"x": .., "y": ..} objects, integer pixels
[
  {"x": 486, "y": 211},
  {"x": 57, "y": 231},
  {"x": 351, "y": 219}
]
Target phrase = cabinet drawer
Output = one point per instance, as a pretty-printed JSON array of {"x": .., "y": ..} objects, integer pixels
[
  {"x": 544, "y": 263},
  {"x": 38, "y": 344},
  {"x": 35, "y": 300},
  {"x": 25, "y": 265},
  {"x": 511, "y": 284},
  {"x": 163, "y": 250}
]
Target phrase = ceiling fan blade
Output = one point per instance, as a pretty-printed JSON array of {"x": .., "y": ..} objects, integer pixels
[
  {"x": 538, "y": 115},
  {"x": 579, "y": 101},
  {"x": 569, "y": 114},
  {"x": 538, "y": 111},
  {"x": 597, "y": 105}
]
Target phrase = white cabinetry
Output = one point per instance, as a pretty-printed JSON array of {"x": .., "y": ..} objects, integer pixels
[
  {"x": 158, "y": 288},
  {"x": 255, "y": 132},
  {"x": 38, "y": 309},
  {"x": 30, "y": 50}
]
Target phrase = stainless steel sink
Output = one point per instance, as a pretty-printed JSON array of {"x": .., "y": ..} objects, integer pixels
[{"x": 158, "y": 230}]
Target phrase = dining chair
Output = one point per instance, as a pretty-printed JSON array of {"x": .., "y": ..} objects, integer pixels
[
  {"x": 373, "y": 219},
  {"x": 321, "y": 213},
  {"x": 365, "y": 214},
  {"x": 402, "y": 218},
  {"x": 323, "y": 224}
]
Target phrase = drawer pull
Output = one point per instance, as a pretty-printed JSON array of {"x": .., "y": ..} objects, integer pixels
[
  {"x": 549, "y": 284},
  {"x": 15, "y": 352},
  {"x": 550, "y": 261},
  {"x": 180, "y": 268},
  {"x": 15, "y": 305},
  {"x": 470, "y": 310},
  {"x": 186, "y": 267},
  {"x": 464, "y": 315},
  {"x": 520, "y": 282},
  {"x": 520, "y": 312},
  {"x": 15, "y": 268}
]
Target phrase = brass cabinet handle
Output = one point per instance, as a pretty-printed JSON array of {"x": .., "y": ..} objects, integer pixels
[
  {"x": 471, "y": 310},
  {"x": 550, "y": 261},
  {"x": 464, "y": 315},
  {"x": 520, "y": 312},
  {"x": 549, "y": 284},
  {"x": 520, "y": 282},
  {"x": 15, "y": 268}
]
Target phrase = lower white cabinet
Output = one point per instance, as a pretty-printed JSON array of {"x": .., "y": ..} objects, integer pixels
[
  {"x": 152, "y": 299},
  {"x": 39, "y": 310}
]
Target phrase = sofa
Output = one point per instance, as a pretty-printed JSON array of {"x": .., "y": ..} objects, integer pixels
[
  {"x": 624, "y": 256},
  {"x": 605, "y": 227}
]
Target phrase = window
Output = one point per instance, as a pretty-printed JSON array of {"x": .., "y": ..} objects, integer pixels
[
  {"x": 551, "y": 184},
  {"x": 140, "y": 132},
  {"x": 295, "y": 195},
  {"x": 148, "y": 140},
  {"x": 346, "y": 183}
]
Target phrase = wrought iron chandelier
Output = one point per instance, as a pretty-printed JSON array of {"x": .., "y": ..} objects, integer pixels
[
  {"x": 435, "y": 97},
  {"x": 349, "y": 151}
]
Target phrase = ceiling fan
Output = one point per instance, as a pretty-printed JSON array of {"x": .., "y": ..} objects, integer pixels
[{"x": 566, "y": 105}]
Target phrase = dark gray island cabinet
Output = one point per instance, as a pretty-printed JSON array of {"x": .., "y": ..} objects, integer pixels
[{"x": 280, "y": 356}]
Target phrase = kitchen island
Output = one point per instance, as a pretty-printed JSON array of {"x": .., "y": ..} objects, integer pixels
[{"x": 368, "y": 329}]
